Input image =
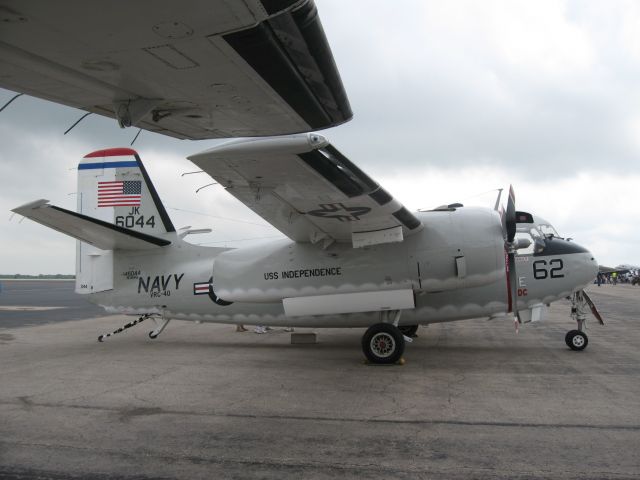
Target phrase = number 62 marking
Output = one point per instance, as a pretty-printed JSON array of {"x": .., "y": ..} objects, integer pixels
[{"x": 541, "y": 271}]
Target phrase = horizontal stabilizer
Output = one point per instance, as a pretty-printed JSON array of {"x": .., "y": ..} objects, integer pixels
[{"x": 101, "y": 234}]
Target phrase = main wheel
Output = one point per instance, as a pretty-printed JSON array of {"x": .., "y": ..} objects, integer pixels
[
  {"x": 409, "y": 330},
  {"x": 576, "y": 340},
  {"x": 383, "y": 343}
]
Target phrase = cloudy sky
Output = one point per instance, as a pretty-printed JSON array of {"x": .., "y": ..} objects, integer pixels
[{"x": 452, "y": 100}]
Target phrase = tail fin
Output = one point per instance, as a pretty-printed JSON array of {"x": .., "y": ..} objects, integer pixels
[
  {"x": 118, "y": 209},
  {"x": 113, "y": 186}
]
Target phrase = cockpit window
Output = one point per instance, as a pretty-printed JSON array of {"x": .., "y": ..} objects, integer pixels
[
  {"x": 548, "y": 230},
  {"x": 536, "y": 233},
  {"x": 535, "y": 236}
]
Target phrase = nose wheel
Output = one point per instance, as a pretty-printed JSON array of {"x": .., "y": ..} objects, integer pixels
[
  {"x": 576, "y": 340},
  {"x": 581, "y": 304}
]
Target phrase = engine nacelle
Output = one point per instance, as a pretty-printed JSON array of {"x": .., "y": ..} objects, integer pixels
[{"x": 438, "y": 258}]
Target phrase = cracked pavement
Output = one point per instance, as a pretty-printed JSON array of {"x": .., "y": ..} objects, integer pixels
[{"x": 474, "y": 400}]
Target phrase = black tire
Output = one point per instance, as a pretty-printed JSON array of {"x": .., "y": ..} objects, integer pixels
[
  {"x": 383, "y": 343},
  {"x": 409, "y": 330},
  {"x": 152, "y": 336},
  {"x": 576, "y": 340},
  {"x": 567, "y": 337}
]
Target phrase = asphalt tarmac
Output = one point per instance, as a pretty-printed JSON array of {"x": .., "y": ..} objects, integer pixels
[
  {"x": 36, "y": 302},
  {"x": 474, "y": 400}
]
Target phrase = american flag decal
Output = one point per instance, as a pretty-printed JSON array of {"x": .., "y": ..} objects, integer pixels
[
  {"x": 123, "y": 193},
  {"x": 201, "y": 288}
]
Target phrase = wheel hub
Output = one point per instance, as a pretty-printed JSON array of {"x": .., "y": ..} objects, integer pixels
[
  {"x": 578, "y": 340},
  {"x": 383, "y": 344}
]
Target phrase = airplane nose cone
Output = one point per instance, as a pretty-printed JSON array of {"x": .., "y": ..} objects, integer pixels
[
  {"x": 593, "y": 267},
  {"x": 587, "y": 268},
  {"x": 584, "y": 266},
  {"x": 588, "y": 260}
]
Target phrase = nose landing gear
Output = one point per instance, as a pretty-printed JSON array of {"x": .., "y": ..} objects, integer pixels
[
  {"x": 576, "y": 340},
  {"x": 580, "y": 305}
]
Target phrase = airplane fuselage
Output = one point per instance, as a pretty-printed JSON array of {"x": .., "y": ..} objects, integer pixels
[{"x": 454, "y": 267}]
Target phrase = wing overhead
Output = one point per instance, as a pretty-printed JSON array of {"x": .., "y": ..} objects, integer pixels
[
  {"x": 192, "y": 69},
  {"x": 308, "y": 190},
  {"x": 101, "y": 234}
]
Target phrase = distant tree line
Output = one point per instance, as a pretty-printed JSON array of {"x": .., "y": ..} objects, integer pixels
[{"x": 19, "y": 276}]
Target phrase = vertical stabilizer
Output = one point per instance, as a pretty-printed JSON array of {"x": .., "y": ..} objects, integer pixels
[{"x": 113, "y": 186}]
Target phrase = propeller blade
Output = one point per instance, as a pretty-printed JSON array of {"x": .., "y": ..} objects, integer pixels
[
  {"x": 509, "y": 232},
  {"x": 513, "y": 284},
  {"x": 510, "y": 216}
]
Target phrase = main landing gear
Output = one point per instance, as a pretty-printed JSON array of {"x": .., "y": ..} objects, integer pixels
[
  {"x": 580, "y": 305},
  {"x": 383, "y": 343},
  {"x": 409, "y": 330}
]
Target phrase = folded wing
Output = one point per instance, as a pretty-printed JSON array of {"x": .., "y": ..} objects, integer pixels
[
  {"x": 193, "y": 69},
  {"x": 308, "y": 190}
]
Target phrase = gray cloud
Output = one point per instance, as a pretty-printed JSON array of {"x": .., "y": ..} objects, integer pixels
[{"x": 549, "y": 94}]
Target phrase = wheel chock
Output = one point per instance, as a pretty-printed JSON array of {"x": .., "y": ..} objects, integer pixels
[{"x": 400, "y": 362}]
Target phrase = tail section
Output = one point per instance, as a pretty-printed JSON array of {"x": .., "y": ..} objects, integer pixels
[
  {"x": 118, "y": 209},
  {"x": 113, "y": 186}
]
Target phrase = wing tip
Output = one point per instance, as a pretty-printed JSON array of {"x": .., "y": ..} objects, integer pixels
[{"x": 30, "y": 206}]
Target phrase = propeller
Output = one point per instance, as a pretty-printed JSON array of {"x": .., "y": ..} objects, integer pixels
[{"x": 510, "y": 246}]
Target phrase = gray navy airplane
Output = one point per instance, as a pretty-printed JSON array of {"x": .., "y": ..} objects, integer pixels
[{"x": 354, "y": 255}]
